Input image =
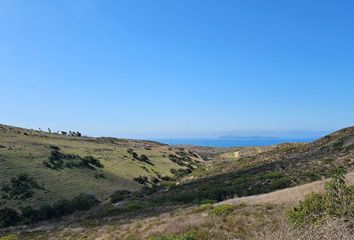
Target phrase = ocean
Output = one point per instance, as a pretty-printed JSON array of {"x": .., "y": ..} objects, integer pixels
[{"x": 231, "y": 142}]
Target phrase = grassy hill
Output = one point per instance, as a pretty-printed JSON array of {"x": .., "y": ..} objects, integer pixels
[
  {"x": 285, "y": 165},
  {"x": 168, "y": 180},
  {"x": 60, "y": 165}
]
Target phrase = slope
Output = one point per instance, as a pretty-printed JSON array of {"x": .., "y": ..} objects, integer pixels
[{"x": 64, "y": 166}]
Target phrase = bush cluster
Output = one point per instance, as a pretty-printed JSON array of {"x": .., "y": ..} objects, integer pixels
[
  {"x": 336, "y": 201},
  {"x": 20, "y": 187},
  {"x": 59, "y": 160},
  {"x": 141, "y": 180},
  {"x": 27, "y": 215},
  {"x": 181, "y": 172},
  {"x": 141, "y": 158},
  {"x": 182, "y": 159}
]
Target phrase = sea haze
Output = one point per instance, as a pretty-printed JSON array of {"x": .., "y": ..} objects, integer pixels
[{"x": 223, "y": 142}]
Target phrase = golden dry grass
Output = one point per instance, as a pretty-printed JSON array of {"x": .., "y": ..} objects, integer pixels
[{"x": 286, "y": 196}]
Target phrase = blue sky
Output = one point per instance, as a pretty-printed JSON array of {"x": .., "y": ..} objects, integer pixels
[{"x": 185, "y": 68}]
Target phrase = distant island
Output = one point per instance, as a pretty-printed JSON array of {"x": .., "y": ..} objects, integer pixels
[{"x": 236, "y": 137}]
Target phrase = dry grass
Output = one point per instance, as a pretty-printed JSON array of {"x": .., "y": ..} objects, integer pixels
[
  {"x": 331, "y": 230},
  {"x": 286, "y": 196}
]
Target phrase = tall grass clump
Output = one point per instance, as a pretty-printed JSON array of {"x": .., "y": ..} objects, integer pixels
[{"x": 190, "y": 235}]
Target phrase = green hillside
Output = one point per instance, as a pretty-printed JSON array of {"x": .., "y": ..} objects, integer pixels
[
  {"x": 64, "y": 166},
  {"x": 39, "y": 168}
]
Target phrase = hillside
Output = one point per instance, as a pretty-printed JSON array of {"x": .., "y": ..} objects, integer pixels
[
  {"x": 261, "y": 217},
  {"x": 64, "y": 166}
]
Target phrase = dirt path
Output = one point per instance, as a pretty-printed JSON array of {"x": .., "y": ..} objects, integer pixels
[{"x": 286, "y": 196}]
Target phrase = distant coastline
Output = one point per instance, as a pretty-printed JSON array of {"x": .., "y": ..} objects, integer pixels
[{"x": 222, "y": 142}]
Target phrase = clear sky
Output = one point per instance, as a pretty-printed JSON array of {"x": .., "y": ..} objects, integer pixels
[{"x": 177, "y": 68}]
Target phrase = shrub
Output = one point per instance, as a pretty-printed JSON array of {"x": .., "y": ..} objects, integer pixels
[
  {"x": 181, "y": 172},
  {"x": 338, "y": 145},
  {"x": 327, "y": 160},
  {"x": 59, "y": 160},
  {"x": 311, "y": 175},
  {"x": 190, "y": 235},
  {"x": 182, "y": 159},
  {"x": 282, "y": 182},
  {"x": 207, "y": 201},
  {"x": 89, "y": 160},
  {"x": 340, "y": 197},
  {"x": 58, "y": 209},
  {"x": 336, "y": 201},
  {"x": 144, "y": 158},
  {"x": 132, "y": 207},
  {"x": 48, "y": 211},
  {"x": 133, "y": 153},
  {"x": 204, "y": 207},
  {"x": 84, "y": 202},
  {"x": 31, "y": 215},
  {"x": 222, "y": 210},
  {"x": 21, "y": 187},
  {"x": 120, "y": 195},
  {"x": 9, "y": 237},
  {"x": 310, "y": 210},
  {"x": 141, "y": 180},
  {"x": 167, "y": 178},
  {"x": 63, "y": 207},
  {"x": 9, "y": 217}
]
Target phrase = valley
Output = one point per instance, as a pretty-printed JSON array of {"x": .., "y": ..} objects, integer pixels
[{"x": 133, "y": 189}]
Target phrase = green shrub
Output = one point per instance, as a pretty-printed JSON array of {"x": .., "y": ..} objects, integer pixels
[
  {"x": 63, "y": 207},
  {"x": 181, "y": 172},
  {"x": 336, "y": 201},
  {"x": 21, "y": 187},
  {"x": 204, "y": 207},
  {"x": 9, "y": 217},
  {"x": 327, "y": 160},
  {"x": 310, "y": 210},
  {"x": 48, "y": 211},
  {"x": 190, "y": 235},
  {"x": 132, "y": 207},
  {"x": 222, "y": 210},
  {"x": 241, "y": 180},
  {"x": 84, "y": 202},
  {"x": 120, "y": 195},
  {"x": 59, "y": 160},
  {"x": 340, "y": 197},
  {"x": 91, "y": 162},
  {"x": 274, "y": 174},
  {"x": 57, "y": 209},
  {"x": 144, "y": 158},
  {"x": 31, "y": 215},
  {"x": 133, "y": 153},
  {"x": 279, "y": 183},
  {"x": 311, "y": 175},
  {"x": 338, "y": 145},
  {"x": 141, "y": 180},
  {"x": 9, "y": 237},
  {"x": 207, "y": 201}
]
